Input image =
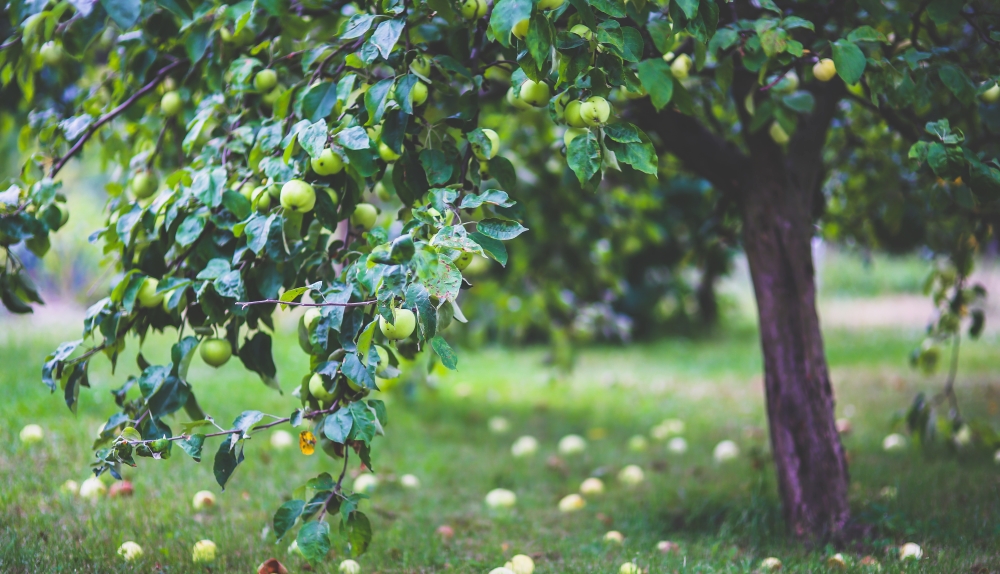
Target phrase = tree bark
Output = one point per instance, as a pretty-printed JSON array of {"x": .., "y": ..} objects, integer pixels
[
  {"x": 778, "y": 192},
  {"x": 809, "y": 458}
]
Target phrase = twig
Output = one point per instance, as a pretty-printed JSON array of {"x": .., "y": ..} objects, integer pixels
[
  {"x": 336, "y": 489},
  {"x": 180, "y": 258},
  {"x": 61, "y": 162},
  {"x": 982, "y": 33},
  {"x": 915, "y": 19},
  {"x": 246, "y": 304}
]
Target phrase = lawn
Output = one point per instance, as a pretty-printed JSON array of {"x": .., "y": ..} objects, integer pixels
[{"x": 724, "y": 517}]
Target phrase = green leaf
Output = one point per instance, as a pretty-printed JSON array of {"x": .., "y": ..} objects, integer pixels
[
  {"x": 364, "y": 428},
  {"x": 850, "y": 61},
  {"x": 658, "y": 81},
  {"x": 539, "y": 38},
  {"x": 313, "y": 138},
  {"x": 192, "y": 446},
  {"x": 492, "y": 196},
  {"x": 337, "y": 426},
  {"x": 641, "y": 155},
  {"x": 502, "y": 229},
  {"x": 357, "y": 372},
  {"x": 417, "y": 296},
  {"x": 238, "y": 205},
  {"x": 357, "y": 26},
  {"x": 314, "y": 541},
  {"x": 358, "y": 532},
  {"x": 867, "y": 34},
  {"x": 633, "y": 45},
  {"x": 226, "y": 461},
  {"x": 286, "y": 515},
  {"x": 376, "y": 98},
  {"x": 318, "y": 101},
  {"x": 584, "y": 158},
  {"x": 616, "y": 8},
  {"x": 493, "y": 247},
  {"x": 623, "y": 132},
  {"x": 354, "y": 138},
  {"x": 387, "y": 34},
  {"x": 792, "y": 22},
  {"x": 448, "y": 357},
  {"x": 505, "y": 14},
  {"x": 436, "y": 166},
  {"x": 944, "y": 11},
  {"x": 801, "y": 101},
  {"x": 958, "y": 83},
  {"x": 689, "y": 7},
  {"x": 125, "y": 13}
]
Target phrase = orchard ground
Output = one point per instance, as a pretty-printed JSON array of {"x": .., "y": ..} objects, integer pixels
[{"x": 725, "y": 517}]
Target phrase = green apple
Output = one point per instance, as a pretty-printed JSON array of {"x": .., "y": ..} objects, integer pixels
[
  {"x": 63, "y": 213},
  {"x": 573, "y": 116},
  {"x": 421, "y": 66},
  {"x": 311, "y": 317},
  {"x": 583, "y": 31},
  {"x": 788, "y": 84},
  {"x": 550, "y": 4},
  {"x": 144, "y": 184},
  {"x": 147, "y": 295},
  {"x": 317, "y": 388},
  {"x": 349, "y": 566},
  {"x": 991, "y": 95},
  {"x": 265, "y": 80},
  {"x": 52, "y": 53},
  {"x": 298, "y": 196},
  {"x": 364, "y": 216},
  {"x": 385, "y": 152},
  {"x": 418, "y": 94},
  {"x": 328, "y": 163},
  {"x": 130, "y": 551},
  {"x": 381, "y": 192},
  {"x": 474, "y": 9},
  {"x": 171, "y": 103},
  {"x": 681, "y": 66},
  {"x": 778, "y": 133},
  {"x": 560, "y": 103},
  {"x": 463, "y": 260},
  {"x": 32, "y": 434},
  {"x": 383, "y": 361},
  {"x": 573, "y": 133},
  {"x": 271, "y": 97},
  {"x": 536, "y": 94},
  {"x": 203, "y": 499},
  {"x": 261, "y": 200},
  {"x": 515, "y": 101},
  {"x": 824, "y": 70},
  {"x": 595, "y": 111},
  {"x": 477, "y": 150},
  {"x": 404, "y": 321},
  {"x": 204, "y": 550},
  {"x": 215, "y": 352},
  {"x": 248, "y": 190},
  {"x": 520, "y": 29}
]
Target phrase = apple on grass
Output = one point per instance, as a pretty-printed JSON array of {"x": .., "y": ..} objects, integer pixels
[
  {"x": 614, "y": 537},
  {"x": 498, "y": 425},
  {"x": 272, "y": 566},
  {"x": 628, "y": 568},
  {"x": 130, "y": 551},
  {"x": 572, "y": 444},
  {"x": 92, "y": 488},
  {"x": 70, "y": 487},
  {"x": 349, "y": 567},
  {"x": 298, "y": 196},
  {"x": 203, "y": 552},
  {"x": 770, "y": 564},
  {"x": 638, "y": 443},
  {"x": 592, "y": 487},
  {"x": 524, "y": 446},
  {"x": 725, "y": 451},
  {"x": 32, "y": 434},
  {"x": 404, "y": 322},
  {"x": 121, "y": 489},
  {"x": 520, "y": 564},
  {"x": 677, "y": 445},
  {"x": 500, "y": 498},
  {"x": 910, "y": 551},
  {"x": 203, "y": 500},
  {"x": 365, "y": 483},
  {"x": 281, "y": 439},
  {"x": 572, "y": 503},
  {"x": 666, "y": 547},
  {"x": 631, "y": 475},
  {"x": 409, "y": 481},
  {"x": 215, "y": 352}
]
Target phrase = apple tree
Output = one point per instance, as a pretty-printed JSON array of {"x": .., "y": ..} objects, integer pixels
[{"x": 249, "y": 146}]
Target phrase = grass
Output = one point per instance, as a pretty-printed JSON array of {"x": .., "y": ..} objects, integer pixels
[
  {"x": 726, "y": 518},
  {"x": 849, "y": 274}
]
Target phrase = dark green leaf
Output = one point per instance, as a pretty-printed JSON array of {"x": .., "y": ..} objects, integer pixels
[
  {"x": 193, "y": 446},
  {"x": 226, "y": 461},
  {"x": 502, "y": 229},
  {"x": 358, "y": 532},
  {"x": 584, "y": 158},
  {"x": 125, "y": 13},
  {"x": 657, "y": 79},
  {"x": 314, "y": 541},
  {"x": 448, "y": 357},
  {"x": 850, "y": 61},
  {"x": 337, "y": 426},
  {"x": 286, "y": 515},
  {"x": 387, "y": 34},
  {"x": 493, "y": 247},
  {"x": 357, "y": 372}
]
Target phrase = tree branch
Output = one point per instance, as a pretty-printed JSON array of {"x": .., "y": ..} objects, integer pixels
[
  {"x": 707, "y": 155},
  {"x": 61, "y": 162},
  {"x": 246, "y": 304}
]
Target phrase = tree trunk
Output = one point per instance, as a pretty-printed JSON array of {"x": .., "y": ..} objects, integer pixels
[{"x": 809, "y": 458}]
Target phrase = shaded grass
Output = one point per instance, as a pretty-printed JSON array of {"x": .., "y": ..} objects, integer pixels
[{"x": 726, "y": 518}]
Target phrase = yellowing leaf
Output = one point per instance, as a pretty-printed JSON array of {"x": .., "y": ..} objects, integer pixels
[{"x": 307, "y": 443}]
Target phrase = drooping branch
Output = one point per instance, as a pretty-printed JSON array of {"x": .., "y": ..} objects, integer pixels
[
  {"x": 160, "y": 76},
  {"x": 245, "y": 304},
  {"x": 701, "y": 151}
]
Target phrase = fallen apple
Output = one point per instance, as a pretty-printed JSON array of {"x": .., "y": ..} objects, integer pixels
[
  {"x": 631, "y": 475},
  {"x": 203, "y": 552},
  {"x": 32, "y": 434},
  {"x": 349, "y": 567},
  {"x": 666, "y": 547},
  {"x": 572, "y": 503},
  {"x": 203, "y": 499},
  {"x": 130, "y": 551},
  {"x": 910, "y": 551},
  {"x": 524, "y": 446},
  {"x": 70, "y": 487},
  {"x": 572, "y": 444},
  {"x": 446, "y": 532},
  {"x": 614, "y": 537},
  {"x": 592, "y": 487},
  {"x": 836, "y": 562},
  {"x": 894, "y": 442},
  {"x": 498, "y": 425},
  {"x": 409, "y": 481},
  {"x": 121, "y": 489},
  {"x": 92, "y": 488},
  {"x": 637, "y": 443},
  {"x": 725, "y": 451},
  {"x": 500, "y": 498},
  {"x": 770, "y": 564},
  {"x": 520, "y": 564},
  {"x": 365, "y": 483},
  {"x": 272, "y": 566},
  {"x": 281, "y": 439},
  {"x": 628, "y": 568}
]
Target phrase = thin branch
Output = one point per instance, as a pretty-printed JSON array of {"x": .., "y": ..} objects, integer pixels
[
  {"x": 915, "y": 19},
  {"x": 245, "y": 304},
  {"x": 336, "y": 489},
  {"x": 61, "y": 162},
  {"x": 982, "y": 33},
  {"x": 180, "y": 258}
]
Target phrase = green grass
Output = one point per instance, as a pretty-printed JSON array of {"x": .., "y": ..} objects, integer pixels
[
  {"x": 726, "y": 518},
  {"x": 850, "y": 274}
]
